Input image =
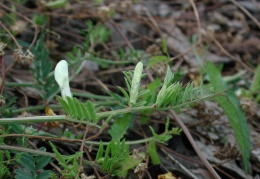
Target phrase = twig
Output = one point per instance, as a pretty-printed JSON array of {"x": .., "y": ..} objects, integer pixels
[
  {"x": 246, "y": 12},
  {"x": 10, "y": 66},
  {"x": 227, "y": 53},
  {"x": 94, "y": 168},
  {"x": 36, "y": 29},
  {"x": 81, "y": 150},
  {"x": 140, "y": 141},
  {"x": 32, "y": 151},
  {"x": 2, "y": 64},
  {"x": 179, "y": 164},
  {"x": 121, "y": 34},
  {"x": 197, "y": 150},
  {"x": 154, "y": 23},
  {"x": 197, "y": 19},
  {"x": 11, "y": 35}
]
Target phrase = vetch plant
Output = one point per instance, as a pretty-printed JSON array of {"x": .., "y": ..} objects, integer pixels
[
  {"x": 172, "y": 95},
  {"x": 61, "y": 75}
]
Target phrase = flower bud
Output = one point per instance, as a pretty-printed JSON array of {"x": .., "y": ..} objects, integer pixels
[{"x": 61, "y": 75}]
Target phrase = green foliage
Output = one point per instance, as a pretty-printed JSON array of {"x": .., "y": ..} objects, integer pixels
[
  {"x": 162, "y": 138},
  {"x": 116, "y": 160},
  {"x": 150, "y": 99},
  {"x": 42, "y": 70},
  {"x": 172, "y": 94},
  {"x": 164, "y": 45},
  {"x": 157, "y": 60},
  {"x": 153, "y": 153},
  {"x": 231, "y": 107},
  {"x": 151, "y": 95},
  {"x": 95, "y": 34},
  {"x": 5, "y": 110},
  {"x": 122, "y": 102},
  {"x": 11, "y": 17},
  {"x": 131, "y": 57},
  {"x": 32, "y": 166},
  {"x": 135, "y": 83},
  {"x": 20, "y": 1},
  {"x": 76, "y": 57},
  {"x": 132, "y": 80},
  {"x": 40, "y": 19},
  {"x": 78, "y": 110},
  {"x": 120, "y": 126},
  {"x": 254, "y": 91},
  {"x": 69, "y": 163},
  {"x": 56, "y": 4},
  {"x": 4, "y": 172}
]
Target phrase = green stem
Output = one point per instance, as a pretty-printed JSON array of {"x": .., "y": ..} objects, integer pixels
[
  {"x": 32, "y": 151},
  {"x": 53, "y": 106},
  {"x": 90, "y": 95},
  {"x": 37, "y": 152},
  {"x": 35, "y": 108},
  {"x": 124, "y": 111},
  {"x": 99, "y": 115},
  {"x": 127, "y": 142},
  {"x": 45, "y": 137},
  {"x": 11, "y": 84},
  {"x": 145, "y": 108},
  {"x": 34, "y": 119}
]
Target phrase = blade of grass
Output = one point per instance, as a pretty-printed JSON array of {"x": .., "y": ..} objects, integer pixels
[{"x": 230, "y": 105}]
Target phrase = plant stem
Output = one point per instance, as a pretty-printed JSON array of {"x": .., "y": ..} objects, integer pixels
[
  {"x": 99, "y": 115},
  {"x": 197, "y": 150},
  {"x": 35, "y": 108},
  {"x": 82, "y": 150},
  {"x": 13, "y": 84},
  {"x": 87, "y": 141},
  {"x": 90, "y": 95},
  {"x": 34, "y": 119},
  {"x": 32, "y": 151},
  {"x": 124, "y": 111},
  {"x": 141, "y": 141}
]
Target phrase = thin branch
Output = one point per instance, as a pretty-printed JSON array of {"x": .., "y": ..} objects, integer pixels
[
  {"x": 11, "y": 35},
  {"x": 247, "y": 13},
  {"x": 197, "y": 19},
  {"x": 32, "y": 151},
  {"x": 195, "y": 147},
  {"x": 114, "y": 24},
  {"x": 2, "y": 64},
  {"x": 36, "y": 28},
  {"x": 81, "y": 150},
  {"x": 227, "y": 53},
  {"x": 94, "y": 167}
]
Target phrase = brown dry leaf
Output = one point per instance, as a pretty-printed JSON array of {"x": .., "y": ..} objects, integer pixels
[
  {"x": 1, "y": 13},
  {"x": 51, "y": 45},
  {"x": 167, "y": 176},
  {"x": 18, "y": 27},
  {"x": 49, "y": 112}
]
